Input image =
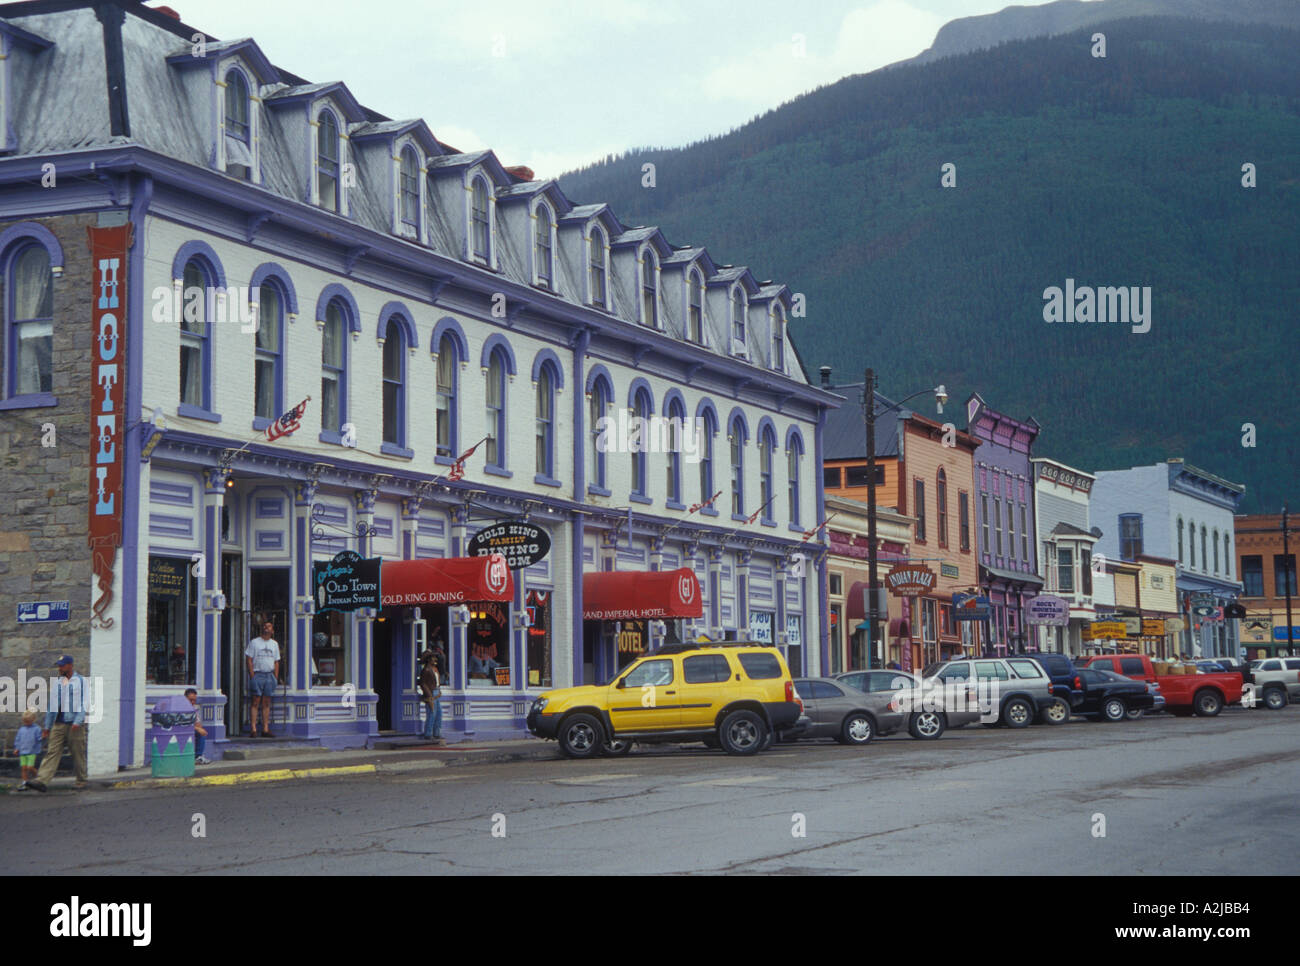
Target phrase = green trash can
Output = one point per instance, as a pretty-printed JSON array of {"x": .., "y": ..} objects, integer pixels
[{"x": 171, "y": 739}]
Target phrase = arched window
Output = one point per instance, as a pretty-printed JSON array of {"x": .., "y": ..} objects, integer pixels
[
  {"x": 710, "y": 424},
  {"x": 1180, "y": 539},
  {"x": 676, "y": 414},
  {"x": 1205, "y": 557},
  {"x": 445, "y": 401},
  {"x": 410, "y": 188},
  {"x": 1227, "y": 555},
  {"x": 649, "y": 289},
  {"x": 597, "y": 262},
  {"x": 197, "y": 297},
  {"x": 695, "y": 309},
  {"x": 941, "y": 498},
  {"x": 495, "y": 399},
  {"x": 736, "y": 437},
  {"x": 480, "y": 219},
  {"x": 394, "y": 383},
  {"x": 766, "y": 493},
  {"x": 239, "y": 137},
  {"x": 542, "y": 246},
  {"x": 794, "y": 457},
  {"x": 641, "y": 410},
  {"x": 1216, "y": 551},
  {"x": 333, "y": 381},
  {"x": 29, "y": 309},
  {"x": 327, "y": 161},
  {"x": 737, "y": 318},
  {"x": 601, "y": 394},
  {"x": 545, "y": 465},
  {"x": 1191, "y": 536},
  {"x": 778, "y": 337},
  {"x": 268, "y": 368}
]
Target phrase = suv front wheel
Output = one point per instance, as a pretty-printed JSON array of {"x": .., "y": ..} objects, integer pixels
[
  {"x": 581, "y": 736},
  {"x": 742, "y": 733}
]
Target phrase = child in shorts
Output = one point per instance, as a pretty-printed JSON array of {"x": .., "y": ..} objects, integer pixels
[{"x": 27, "y": 745}]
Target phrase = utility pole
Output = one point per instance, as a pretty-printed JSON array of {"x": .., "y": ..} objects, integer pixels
[
  {"x": 1290, "y": 578},
  {"x": 869, "y": 402}
]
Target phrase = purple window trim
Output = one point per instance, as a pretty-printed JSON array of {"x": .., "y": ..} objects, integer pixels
[
  {"x": 276, "y": 355},
  {"x": 215, "y": 274},
  {"x": 37, "y": 233},
  {"x": 545, "y": 357},
  {"x": 197, "y": 412},
  {"x": 396, "y": 324},
  {"x": 288, "y": 294},
  {"x": 347, "y": 310},
  {"x": 35, "y": 400},
  {"x": 502, "y": 350}
]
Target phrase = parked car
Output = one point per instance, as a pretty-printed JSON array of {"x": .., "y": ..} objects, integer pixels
[
  {"x": 1111, "y": 696},
  {"x": 735, "y": 694},
  {"x": 1213, "y": 667},
  {"x": 1061, "y": 670},
  {"x": 1201, "y": 693},
  {"x": 1019, "y": 686},
  {"x": 1275, "y": 681},
  {"x": 832, "y": 709},
  {"x": 957, "y": 714}
]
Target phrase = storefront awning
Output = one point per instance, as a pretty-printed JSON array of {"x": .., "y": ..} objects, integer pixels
[
  {"x": 616, "y": 595},
  {"x": 446, "y": 580}
]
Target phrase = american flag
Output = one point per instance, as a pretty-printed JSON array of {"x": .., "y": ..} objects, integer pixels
[
  {"x": 458, "y": 468},
  {"x": 754, "y": 516},
  {"x": 809, "y": 534},
  {"x": 697, "y": 507},
  {"x": 289, "y": 423}
]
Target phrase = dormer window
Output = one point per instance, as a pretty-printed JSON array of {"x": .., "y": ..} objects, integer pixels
[
  {"x": 480, "y": 221},
  {"x": 409, "y": 204},
  {"x": 695, "y": 309},
  {"x": 650, "y": 289},
  {"x": 778, "y": 337},
  {"x": 738, "y": 316},
  {"x": 543, "y": 261},
  {"x": 239, "y": 128},
  {"x": 598, "y": 254},
  {"x": 327, "y": 161}
]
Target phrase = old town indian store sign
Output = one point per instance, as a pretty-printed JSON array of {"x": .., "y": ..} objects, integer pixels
[{"x": 910, "y": 580}]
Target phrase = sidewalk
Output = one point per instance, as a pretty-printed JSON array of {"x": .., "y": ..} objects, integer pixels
[{"x": 414, "y": 756}]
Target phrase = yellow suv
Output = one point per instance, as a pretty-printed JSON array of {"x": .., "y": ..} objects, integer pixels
[{"x": 732, "y": 695}]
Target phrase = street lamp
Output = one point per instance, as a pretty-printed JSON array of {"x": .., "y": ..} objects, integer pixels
[{"x": 869, "y": 409}]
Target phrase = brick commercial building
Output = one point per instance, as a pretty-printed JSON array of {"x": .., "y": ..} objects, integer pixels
[
  {"x": 1268, "y": 574},
  {"x": 471, "y": 348}
]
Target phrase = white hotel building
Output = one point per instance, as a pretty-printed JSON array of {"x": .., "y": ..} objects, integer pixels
[{"x": 425, "y": 300}]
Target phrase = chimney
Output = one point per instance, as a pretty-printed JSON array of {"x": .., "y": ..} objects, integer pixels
[
  {"x": 826, "y": 377},
  {"x": 521, "y": 171}
]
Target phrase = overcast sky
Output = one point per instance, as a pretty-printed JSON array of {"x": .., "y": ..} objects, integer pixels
[{"x": 555, "y": 85}]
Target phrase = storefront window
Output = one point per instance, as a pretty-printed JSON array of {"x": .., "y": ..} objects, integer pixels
[
  {"x": 539, "y": 639},
  {"x": 172, "y": 622},
  {"x": 331, "y": 649},
  {"x": 489, "y": 645}
]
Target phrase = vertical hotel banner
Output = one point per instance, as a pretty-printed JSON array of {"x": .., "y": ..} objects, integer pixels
[{"x": 107, "y": 396}]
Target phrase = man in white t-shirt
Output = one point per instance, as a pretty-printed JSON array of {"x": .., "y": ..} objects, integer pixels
[{"x": 263, "y": 657}]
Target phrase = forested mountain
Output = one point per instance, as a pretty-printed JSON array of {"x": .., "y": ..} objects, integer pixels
[
  {"x": 1116, "y": 171},
  {"x": 966, "y": 34}
]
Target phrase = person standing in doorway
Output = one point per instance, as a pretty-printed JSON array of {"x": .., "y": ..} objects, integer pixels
[
  {"x": 263, "y": 657},
  {"x": 64, "y": 724}
]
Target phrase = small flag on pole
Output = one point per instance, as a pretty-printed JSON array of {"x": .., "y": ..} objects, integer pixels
[
  {"x": 697, "y": 507},
  {"x": 289, "y": 423},
  {"x": 458, "y": 468},
  {"x": 754, "y": 516}
]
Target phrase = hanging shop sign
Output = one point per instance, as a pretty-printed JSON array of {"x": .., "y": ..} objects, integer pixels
[
  {"x": 950, "y": 570},
  {"x": 1152, "y": 628},
  {"x": 108, "y": 300},
  {"x": 1234, "y": 611},
  {"x": 971, "y": 607},
  {"x": 521, "y": 543},
  {"x": 1048, "y": 610},
  {"x": 1257, "y": 629},
  {"x": 1132, "y": 626},
  {"x": 910, "y": 580},
  {"x": 167, "y": 576},
  {"x": 346, "y": 582},
  {"x": 1102, "y": 629}
]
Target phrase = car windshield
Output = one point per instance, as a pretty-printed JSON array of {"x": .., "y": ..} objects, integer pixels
[{"x": 931, "y": 670}]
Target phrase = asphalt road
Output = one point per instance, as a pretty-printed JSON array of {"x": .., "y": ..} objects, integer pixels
[{"x": 1177, "y": 795}]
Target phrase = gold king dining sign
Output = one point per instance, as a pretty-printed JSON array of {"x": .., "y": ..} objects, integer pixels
[{"x": 108, "y": 248}]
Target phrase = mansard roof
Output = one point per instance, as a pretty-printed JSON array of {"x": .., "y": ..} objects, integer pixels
[
  {"x": 527, "y": 190},
  {"x": 728, "y": 274},
  {"x": 450, "y": 163},
  {"x": 642, "y": 233},
  {"x": 246, "y": 48},
  {"x": 687, "y": 255}
]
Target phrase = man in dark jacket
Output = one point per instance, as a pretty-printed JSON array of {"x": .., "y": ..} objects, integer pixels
[{"x": 429, "y": 684}]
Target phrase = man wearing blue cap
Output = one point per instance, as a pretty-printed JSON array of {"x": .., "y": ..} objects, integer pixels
[{"x": 64, "y": 723}]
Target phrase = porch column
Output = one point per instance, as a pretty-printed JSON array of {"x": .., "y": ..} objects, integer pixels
[
  {"x": 457, "y": 658},
  {"x": 714, "y": 555},
  {"x": 208, "y": 571},
  {"x": 365, "y": 504},
  {"x": 743, "y": 559},
  {"x": 304, "y": 601}
]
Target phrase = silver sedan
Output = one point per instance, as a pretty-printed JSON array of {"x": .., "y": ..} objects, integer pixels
[{"x": 832, "y": 709}]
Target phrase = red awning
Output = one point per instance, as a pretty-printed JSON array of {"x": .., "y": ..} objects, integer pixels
[
  {"x": 450, "y": 580},
  {"x": 616, "y": 595}
]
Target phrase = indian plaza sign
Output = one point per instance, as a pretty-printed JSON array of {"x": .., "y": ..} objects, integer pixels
[{"x": 910, "y": 580}]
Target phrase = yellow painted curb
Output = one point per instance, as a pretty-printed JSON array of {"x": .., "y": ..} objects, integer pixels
[{"x": 242, "y": 778}]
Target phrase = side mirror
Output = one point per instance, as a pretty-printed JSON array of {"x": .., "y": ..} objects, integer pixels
[{"x": 619, "y": 682}]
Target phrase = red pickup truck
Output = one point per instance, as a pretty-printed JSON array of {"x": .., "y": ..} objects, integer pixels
[{"x": 1204, "y": 694}]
